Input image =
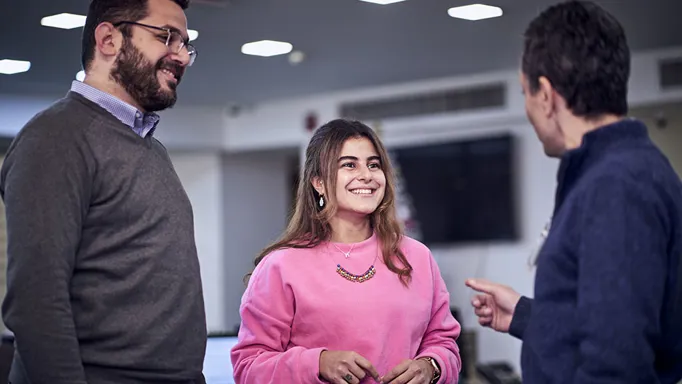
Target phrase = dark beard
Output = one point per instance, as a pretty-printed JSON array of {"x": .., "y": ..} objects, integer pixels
[{"x": 139, "y": 78}]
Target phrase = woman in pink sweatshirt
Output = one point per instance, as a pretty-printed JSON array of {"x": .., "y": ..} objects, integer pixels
[{"x": 344, "y": 296}]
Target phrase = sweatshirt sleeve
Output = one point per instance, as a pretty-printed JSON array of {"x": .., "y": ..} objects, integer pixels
[
  {"x": 440, "y": 339},
  {"x": 45, "y": 187},
  {"x": 520, "y": 317},
  {"x": 622, "y": 258},
  {"x": 267, "y": 311}
]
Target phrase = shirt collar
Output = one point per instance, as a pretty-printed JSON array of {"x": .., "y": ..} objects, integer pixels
[{"x": 141, "y": 123}]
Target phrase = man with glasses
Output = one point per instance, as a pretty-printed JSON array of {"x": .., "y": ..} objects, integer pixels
[
  {"x": 608, "y": 287},
  {"x": 103, "y": 277}
]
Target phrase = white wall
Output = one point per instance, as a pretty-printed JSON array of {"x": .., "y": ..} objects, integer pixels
[
  {"x": 15, "y": 111},
  {"x": 644, "y": 80},
  {"x": 668, "y": 137},
  {"x": 183, "y": 127},
  {"x": 280, "y": 123},
  {"x": 192, "y": 128},
  {"x": 201, "y": 175},
  {"x": 256, "y": 201},
  {"x": 240, "y": 204}
]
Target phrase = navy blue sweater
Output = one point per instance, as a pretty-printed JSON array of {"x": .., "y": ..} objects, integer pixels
[{"x": 608, "y": 303}]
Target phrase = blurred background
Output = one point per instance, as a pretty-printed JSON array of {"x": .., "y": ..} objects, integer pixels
[{"x": 441, "y": 90}]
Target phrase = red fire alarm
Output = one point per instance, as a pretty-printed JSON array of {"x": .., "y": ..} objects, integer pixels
[{"x": 310, "y": 122}]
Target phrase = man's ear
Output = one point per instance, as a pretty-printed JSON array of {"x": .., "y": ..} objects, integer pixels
[
  {"x": 318, "y": 185},
  {"x": 548, "y": 96},
  {"x": 107, "y": 40}
]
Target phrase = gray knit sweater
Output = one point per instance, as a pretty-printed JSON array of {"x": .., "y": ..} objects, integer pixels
[{"x": 103, "y": 276}]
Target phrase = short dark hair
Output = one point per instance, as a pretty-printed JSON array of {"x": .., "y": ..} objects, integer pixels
[
  {"x": 113, "y": 11},
  {"x": 582, "y": 50}
]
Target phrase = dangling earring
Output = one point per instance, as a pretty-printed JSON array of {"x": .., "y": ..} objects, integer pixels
[{"x": 321, "y": 201}]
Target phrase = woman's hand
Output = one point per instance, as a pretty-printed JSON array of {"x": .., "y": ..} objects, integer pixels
[
  {"x": 345, "y": 367},
  {"x": 418, "y": 371}
]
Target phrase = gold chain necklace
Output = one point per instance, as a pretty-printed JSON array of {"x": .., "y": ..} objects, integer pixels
[{"x": 347, "y": 254}]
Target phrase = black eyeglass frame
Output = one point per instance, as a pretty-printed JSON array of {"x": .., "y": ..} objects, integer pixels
[{"x": 184, "y": 43}]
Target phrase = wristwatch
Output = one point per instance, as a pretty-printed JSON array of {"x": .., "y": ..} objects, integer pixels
[{"x": 436, "y": 369}]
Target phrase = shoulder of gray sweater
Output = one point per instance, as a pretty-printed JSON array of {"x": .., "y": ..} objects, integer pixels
[
  {"x": 57, "y": 131},
  {"x": 65, "y": 118}
]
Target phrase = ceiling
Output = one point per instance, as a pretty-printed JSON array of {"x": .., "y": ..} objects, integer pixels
[{"x": 347, "y": 43}]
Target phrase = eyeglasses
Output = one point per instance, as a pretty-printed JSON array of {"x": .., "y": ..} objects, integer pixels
[{"x": 171, "y": 37}]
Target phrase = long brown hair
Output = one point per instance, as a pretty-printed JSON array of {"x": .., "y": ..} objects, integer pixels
[{"x": 309, "y": 225}]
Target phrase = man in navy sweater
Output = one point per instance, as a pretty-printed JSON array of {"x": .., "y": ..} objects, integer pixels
[{"x": 608, "y": 289}]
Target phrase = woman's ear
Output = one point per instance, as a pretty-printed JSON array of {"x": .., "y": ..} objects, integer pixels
[{"x": 318, "y": 185}]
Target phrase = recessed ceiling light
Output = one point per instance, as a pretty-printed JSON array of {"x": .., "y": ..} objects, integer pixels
[
  {"x": 382, "y": 2},
  {"x": 266, "y": 48},
  {"x": 192, "y": 34},
  {"x": 475, "y": 12},
  {"x": 296, "y": 57},
  {"x": 80, "y": 76},
  {"x": 10, "y": 67},
  {"x": 63, "y": 21}
]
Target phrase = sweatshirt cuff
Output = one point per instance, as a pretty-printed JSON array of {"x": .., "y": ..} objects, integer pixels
[
  {"x": 520, "y": 318},
  {"x": 310, "y": 363},
  {"x": 445, "y": 376}
]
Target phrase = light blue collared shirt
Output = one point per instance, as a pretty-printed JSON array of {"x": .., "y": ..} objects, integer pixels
[{"x": 142, "y": 123}]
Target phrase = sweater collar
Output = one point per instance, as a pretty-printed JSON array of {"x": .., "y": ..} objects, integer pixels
[{"x": 594, "y": 146}]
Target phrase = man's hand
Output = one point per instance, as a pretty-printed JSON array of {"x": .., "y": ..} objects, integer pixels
[{"x": 495, "y": 305}]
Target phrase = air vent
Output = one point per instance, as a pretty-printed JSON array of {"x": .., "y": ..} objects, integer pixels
[
  {"x": 453, "y": 100},
  {"x": 670, "y": 71},
  {"x": 215, "y": 3}
]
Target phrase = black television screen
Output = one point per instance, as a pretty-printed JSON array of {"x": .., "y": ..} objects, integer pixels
[{"x": 458, "y": 192}]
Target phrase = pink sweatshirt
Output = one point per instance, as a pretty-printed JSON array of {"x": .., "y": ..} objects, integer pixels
[{"x": 296, "y": 306}]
